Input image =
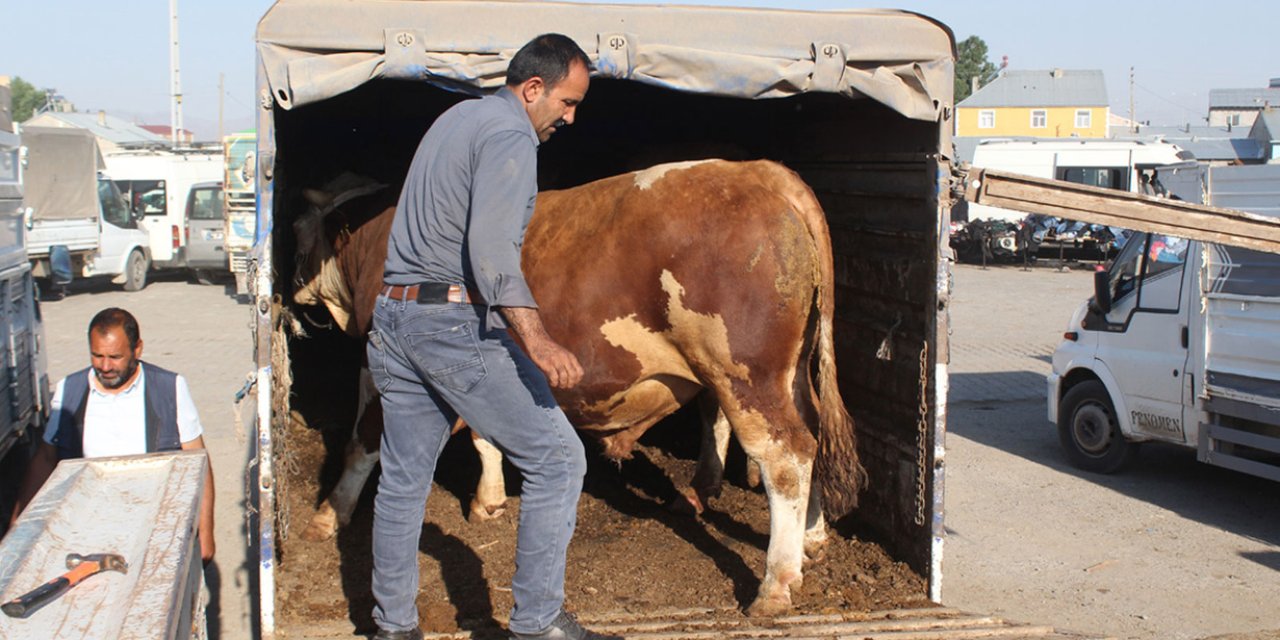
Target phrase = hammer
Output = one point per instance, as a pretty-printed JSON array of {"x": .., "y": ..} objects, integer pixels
[{"x": 80, "y": 567}]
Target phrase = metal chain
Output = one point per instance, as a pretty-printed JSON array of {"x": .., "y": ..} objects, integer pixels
[{"x": 922, "y": 430}]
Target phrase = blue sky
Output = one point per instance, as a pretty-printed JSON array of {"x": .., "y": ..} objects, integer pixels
[{"x": 102, "y": 55}]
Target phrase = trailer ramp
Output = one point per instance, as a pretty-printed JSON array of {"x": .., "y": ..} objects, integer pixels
[{"x": 928, "y": 623}]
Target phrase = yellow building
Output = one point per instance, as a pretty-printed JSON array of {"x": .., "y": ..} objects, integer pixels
[{"x": 1053, "y": 103}]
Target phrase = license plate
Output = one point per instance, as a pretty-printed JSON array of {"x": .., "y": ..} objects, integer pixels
[{"x": 213, "y": 234}]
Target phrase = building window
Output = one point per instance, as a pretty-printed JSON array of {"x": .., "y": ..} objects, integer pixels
[
  {"x": 1084, "y": 118},
  {"x": 986, "y": 119},
  {"x": 1039, "y": 119},
  {"x": 1234, "y": 119}
]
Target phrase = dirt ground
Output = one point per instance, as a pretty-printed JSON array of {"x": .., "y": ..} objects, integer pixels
[{"x": 631, "y": 554}]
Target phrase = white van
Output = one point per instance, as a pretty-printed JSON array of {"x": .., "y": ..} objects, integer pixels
[
  {"x": 156, "y": 185},
  {"x": 1180, "y": 343},
  {"x": 1112, "y": 164}
]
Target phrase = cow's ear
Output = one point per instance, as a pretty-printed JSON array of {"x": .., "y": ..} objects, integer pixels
[{"x": 317, "y": 197}]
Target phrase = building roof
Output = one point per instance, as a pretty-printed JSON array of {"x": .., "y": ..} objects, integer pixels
[
  {"x": 107, "y": 127},
  {"x": 1209, "y": 144},
  {"x": 164, "y": 130},
  {"x": 1267, "y": 125},
  {"x": 1243, "y": 98},
  {"x": 1042, "y": 88}
]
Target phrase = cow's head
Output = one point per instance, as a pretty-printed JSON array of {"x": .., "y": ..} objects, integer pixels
[{"x": 317, "y": 277}]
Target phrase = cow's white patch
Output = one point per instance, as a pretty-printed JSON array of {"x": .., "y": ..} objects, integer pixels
[
  {"x": 694, "y": 342},
  {"x": 705, "y": 337},
  {"x": 646, "y": 178},
  {"x": 491, "y": 491}
]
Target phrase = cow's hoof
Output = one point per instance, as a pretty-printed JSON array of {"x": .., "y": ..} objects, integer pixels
[
  {"x": 688, "y": 504},
  {"x": 815, "y": 546},
  {"x": 768, "y": 606},
  {"x": 814, "y": 555},
  {"x": 481, "y": 512},
  {"x": 323, "y": 524}
]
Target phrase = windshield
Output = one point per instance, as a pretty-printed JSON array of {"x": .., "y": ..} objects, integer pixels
[
  {"x": 114, "y": 209},
  {"x": 1126, "y": 267},
  {"x": 206, "y": 204}
]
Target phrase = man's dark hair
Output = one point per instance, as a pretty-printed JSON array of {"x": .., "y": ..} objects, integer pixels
[
  {"x": 547, "y": 56},
  {"x": 109, "y": 319}
]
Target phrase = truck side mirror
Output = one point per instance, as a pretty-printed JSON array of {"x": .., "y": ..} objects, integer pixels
[{"x": 1102, "y": 291}]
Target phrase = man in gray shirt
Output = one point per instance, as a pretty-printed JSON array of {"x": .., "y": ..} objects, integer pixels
[{"x": 439, "y": 348}]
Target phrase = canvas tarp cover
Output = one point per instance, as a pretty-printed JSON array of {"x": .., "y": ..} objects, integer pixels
[
  {"x": 61, "y": 178},
  {"x": 316, "y": 49}
]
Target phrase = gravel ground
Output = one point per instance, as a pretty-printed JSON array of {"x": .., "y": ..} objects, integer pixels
[{"x": 1171, "y": 549}]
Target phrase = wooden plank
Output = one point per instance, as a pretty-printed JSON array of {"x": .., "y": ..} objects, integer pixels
[
  {"x": 704, "y": 624},
  {"x": 1110, "y": 207}
]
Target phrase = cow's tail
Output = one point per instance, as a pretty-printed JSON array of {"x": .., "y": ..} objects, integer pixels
[{"x": 838, "y": 473}]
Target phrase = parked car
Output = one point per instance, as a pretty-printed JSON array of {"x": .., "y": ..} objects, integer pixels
[{"x": 205, "y": 229}]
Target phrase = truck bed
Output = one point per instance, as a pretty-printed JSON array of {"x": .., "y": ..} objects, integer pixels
[{"x": 77, "y": 235}]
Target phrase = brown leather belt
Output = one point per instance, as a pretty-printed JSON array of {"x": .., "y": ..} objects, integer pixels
[{"x": 431, "y": 293}]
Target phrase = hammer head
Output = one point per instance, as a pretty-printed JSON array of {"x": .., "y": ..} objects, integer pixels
[{"x": 105, "y": 561}]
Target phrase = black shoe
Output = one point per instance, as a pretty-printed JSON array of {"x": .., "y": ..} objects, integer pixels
[
  {"x": 564, "y": 627},
  {"x": 411, "y": 634}
]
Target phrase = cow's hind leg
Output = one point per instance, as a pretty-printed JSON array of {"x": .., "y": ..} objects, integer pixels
[
  {"x": 358, "y": 462},
  {"x": 708, "y": 476},
  {"x": 491, "y": 493},
  {"x": 784, "y": 448},
  {"x": 815, "y": 527}
]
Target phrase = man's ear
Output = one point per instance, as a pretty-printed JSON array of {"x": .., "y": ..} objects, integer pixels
[
  {"x": 137, "y": 353},
  {"x": 532, "y": 89}
]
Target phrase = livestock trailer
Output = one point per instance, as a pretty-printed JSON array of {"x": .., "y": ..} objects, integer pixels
[{"x": 858, "y": 103}]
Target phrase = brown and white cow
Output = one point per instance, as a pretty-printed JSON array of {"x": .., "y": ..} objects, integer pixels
[{"x": 707, "y": 279}]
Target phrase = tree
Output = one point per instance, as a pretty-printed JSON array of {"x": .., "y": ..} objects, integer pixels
[
  {"x": 26, "y": 99},
  {"x": 971, "y": 62}
]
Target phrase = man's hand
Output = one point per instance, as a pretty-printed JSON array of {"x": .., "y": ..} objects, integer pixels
[{"x": 559, "y": 365}]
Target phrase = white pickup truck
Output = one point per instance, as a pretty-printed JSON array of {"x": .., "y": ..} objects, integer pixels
[
  {"x": 79, "y": 225},
  {"x": 1180, "y": 343}
]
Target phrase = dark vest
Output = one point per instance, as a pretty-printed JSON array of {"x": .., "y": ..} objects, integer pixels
[{"x": 160, "y": 394}]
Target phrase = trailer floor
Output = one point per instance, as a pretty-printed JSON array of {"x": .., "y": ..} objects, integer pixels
[{"x": 631, "y": 556}]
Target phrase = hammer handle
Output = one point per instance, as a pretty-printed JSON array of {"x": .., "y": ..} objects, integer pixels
[{"x": 26, "y": 604}]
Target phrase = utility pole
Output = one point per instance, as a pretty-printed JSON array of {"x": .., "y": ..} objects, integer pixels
[
  {"x": 175, "y": 107},
  {"x": 1133, "y": 121},
  {"x": 221, "y": 77}
]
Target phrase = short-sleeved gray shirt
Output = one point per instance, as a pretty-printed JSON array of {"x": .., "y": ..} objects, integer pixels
[{"x": 466, "y": 203}]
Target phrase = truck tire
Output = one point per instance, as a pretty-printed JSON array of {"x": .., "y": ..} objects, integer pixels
[
  {"x": 1089, "y": 431},
  {"x": 135, "y": 271}
]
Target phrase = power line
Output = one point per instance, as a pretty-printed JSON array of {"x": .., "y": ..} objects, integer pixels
[{"x": 1180, "y": 106}]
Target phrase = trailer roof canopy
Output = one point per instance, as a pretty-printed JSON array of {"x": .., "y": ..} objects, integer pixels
[{"x": 315, "y": 49}]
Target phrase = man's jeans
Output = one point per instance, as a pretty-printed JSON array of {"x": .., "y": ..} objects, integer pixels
[{"x": 431, "y": 363}]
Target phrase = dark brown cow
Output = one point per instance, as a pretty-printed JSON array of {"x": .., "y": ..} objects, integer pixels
[{"x": 707, "y": 278}]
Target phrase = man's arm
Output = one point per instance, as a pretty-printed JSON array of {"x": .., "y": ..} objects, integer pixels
[
  {"x": 560, "y": 366},
  {"x": 38, "y": 470},
  {"x": 207, "y": 545}
]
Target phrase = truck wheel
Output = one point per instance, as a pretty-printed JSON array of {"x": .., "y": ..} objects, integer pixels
[
  {"x": 135, "y": 271},
  {"x": 1089, "y": 431}
]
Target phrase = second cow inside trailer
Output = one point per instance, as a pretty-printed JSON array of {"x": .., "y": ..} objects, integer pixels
[{"x": 859, "y": 103}]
